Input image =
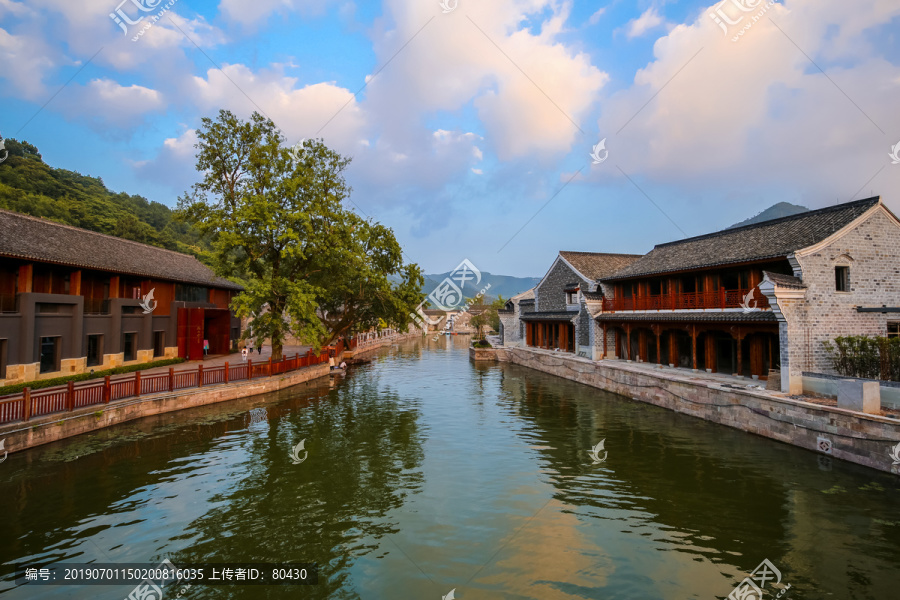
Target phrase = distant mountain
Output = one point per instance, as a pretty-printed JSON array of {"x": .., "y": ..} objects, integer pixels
[
  {"x": 776, "y": 211},
  {"x": 504, "y": 285}
]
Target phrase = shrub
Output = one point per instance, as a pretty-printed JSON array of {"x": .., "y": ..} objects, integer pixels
[
  {"x": 865, "y": 357},
  {"x": 482, "y": 344}
]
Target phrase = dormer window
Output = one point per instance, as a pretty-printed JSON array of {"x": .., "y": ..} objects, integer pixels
[{"x": 572, "y": 296}]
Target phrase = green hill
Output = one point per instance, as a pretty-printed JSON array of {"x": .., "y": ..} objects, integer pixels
[
  {"x": 30, "y": 186},
  {"x": 776, "y": 211},
  {"x": 505, "y": 285}
]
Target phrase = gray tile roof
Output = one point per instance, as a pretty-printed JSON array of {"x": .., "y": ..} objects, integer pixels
[
  {"x": 785, "y": 281},
  {"x": 559, "y": 315},
  {"x": 760, "y": 316},
  {"x": 766, "y": 240},
  {"x": 32, "y": 238},
  {"x": 596, "y": 265}
]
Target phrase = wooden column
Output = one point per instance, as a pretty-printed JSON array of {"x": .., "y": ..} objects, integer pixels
[
  {"x": 673, "y": 349},
  {"x": 739, "y": 335},
  {"x": 710, "y": 354},
  {"x": 756, "y": 355},
  {"x": 26, "y": 278},
  {"x": 75, "y": 283},
  {"x": 642, "y": 345},
  {"x": 657, "y": 331},
  {"x": 693, "y": 333},
  {"x": 114, "y": 286},
  {"x": 627, "y": 342}
]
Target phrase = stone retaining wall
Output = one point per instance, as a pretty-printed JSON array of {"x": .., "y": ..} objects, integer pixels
[
  {"x": 856, "y": 437},
  {"x": 51, "y": 428}
]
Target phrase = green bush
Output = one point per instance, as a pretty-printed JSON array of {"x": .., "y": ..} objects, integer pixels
[
  {"x": 865, "y": 357},
  {"x": 482, "y": 344},
  {"x": 45, "y": 383}
]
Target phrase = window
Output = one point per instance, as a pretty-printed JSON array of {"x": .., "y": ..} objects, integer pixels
[
  {"x": 572, "y": 297},
  {"x": 191, "y": 293},
  {"x": 129, "y": 346},
  {"x": 893, "y": 329},
  {"x": 842, "y": 279},
  {"x": 159, "y": 343},
  {"x": 94, "y": 350},
  {"x": 49, "y": 354}
]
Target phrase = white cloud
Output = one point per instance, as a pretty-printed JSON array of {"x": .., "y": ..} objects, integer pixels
[
  {"x": 299, "y": 112},
  {"x": 595, "y": 18},
  {"x": 175, "y": 160},
  {"x": 104, "y": 103},
  {"x": 24, "y": 62},
  {"x": 757, "y": 114},
  {"x": 253, "y": 13},
  {"x": 650, "y": 19}
]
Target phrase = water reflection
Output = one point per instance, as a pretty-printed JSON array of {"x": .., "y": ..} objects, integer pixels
[{"x": 426, "y": 472}]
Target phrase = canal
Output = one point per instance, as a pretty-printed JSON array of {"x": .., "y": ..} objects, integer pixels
[{"x": 426, "y": 473}]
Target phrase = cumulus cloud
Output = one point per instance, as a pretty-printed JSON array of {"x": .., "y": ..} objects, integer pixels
[
  {"x": 175, "y": 160},
  {"x": 25, "y": 61},
  {"x": 104, "y": 103},
  {"x": 756, "y": 113},
  {"x": 650, "y": 19}
]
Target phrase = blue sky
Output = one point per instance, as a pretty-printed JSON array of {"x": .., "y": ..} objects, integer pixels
[{"x": 471, "y": 130}]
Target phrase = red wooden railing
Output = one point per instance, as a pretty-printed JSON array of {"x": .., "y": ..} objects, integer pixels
[
  {"x": 28, "y": 403},
  {"x": 721, "y": 298}
]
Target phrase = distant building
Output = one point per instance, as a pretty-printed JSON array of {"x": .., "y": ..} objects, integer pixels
[
  {"x": 71, "y": 300},
  {"x": 758, "y": 297},
  {"x": 559, "y": 316},
  {"x": 512, "y": 328}
]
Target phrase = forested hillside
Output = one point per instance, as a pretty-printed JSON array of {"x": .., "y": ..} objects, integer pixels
[{"x": 30, "y": 186}]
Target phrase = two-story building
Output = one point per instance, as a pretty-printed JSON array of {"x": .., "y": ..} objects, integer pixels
[
  {"x": 73, "y": 300},
  {"x": 559, "y": 317},
  {"x": 764, "y": 296}
]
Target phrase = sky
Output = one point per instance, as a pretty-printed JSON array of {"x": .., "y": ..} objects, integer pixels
[{"x": 496, "y": 131}]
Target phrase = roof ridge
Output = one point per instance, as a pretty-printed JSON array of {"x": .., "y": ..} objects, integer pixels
[
  {"x": 91, "y": 231},
  {"x": 817, "y": 211},
  {"x": 599, "y": 253}
]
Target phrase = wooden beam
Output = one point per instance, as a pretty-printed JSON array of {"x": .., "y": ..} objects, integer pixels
[{"x": 75, "y": 283}]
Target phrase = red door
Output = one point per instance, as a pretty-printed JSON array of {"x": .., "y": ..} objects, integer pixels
[{"x": 195, "y": 334}]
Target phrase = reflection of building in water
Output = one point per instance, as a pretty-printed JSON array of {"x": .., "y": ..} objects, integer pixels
[
  {"x": 711, "y": 493},
  {"x": 258, "y": 417}
]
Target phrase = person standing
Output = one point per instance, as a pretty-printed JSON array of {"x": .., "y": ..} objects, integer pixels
[
  {"x": 205, "y": 348},
  {"x": 244, "y": 353},
  {"x": 259, "y": 348}
]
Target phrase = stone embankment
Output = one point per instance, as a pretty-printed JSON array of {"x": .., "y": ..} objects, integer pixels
[{"x": 853, "y": 436}]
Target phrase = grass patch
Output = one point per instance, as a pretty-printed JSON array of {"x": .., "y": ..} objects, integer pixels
[{"x": 45, "y": 383}]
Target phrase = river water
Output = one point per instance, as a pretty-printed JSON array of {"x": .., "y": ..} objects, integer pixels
[{"x": 427, "y": 473}]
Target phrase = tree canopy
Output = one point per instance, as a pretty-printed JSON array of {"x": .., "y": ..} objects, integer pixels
[{"x": 276, "y": 222}]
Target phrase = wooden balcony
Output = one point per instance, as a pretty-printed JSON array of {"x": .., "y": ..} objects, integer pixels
[{"x": 718, "y": 299}]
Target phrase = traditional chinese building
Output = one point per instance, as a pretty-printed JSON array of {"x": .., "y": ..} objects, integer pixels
[
  {"x": 512, "y": 328},
  {"x": 764, "y": 296},
  {"x": 559, "y": 316},
  {"x": 73, "y": 300}
]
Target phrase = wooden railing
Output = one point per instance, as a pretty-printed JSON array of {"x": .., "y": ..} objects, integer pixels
[
  {"x": 721, "y": 298},
  {"x": 66, "y": 398}
]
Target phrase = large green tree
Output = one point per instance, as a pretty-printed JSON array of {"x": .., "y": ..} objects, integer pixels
[{"x": 277, "y": 224}]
